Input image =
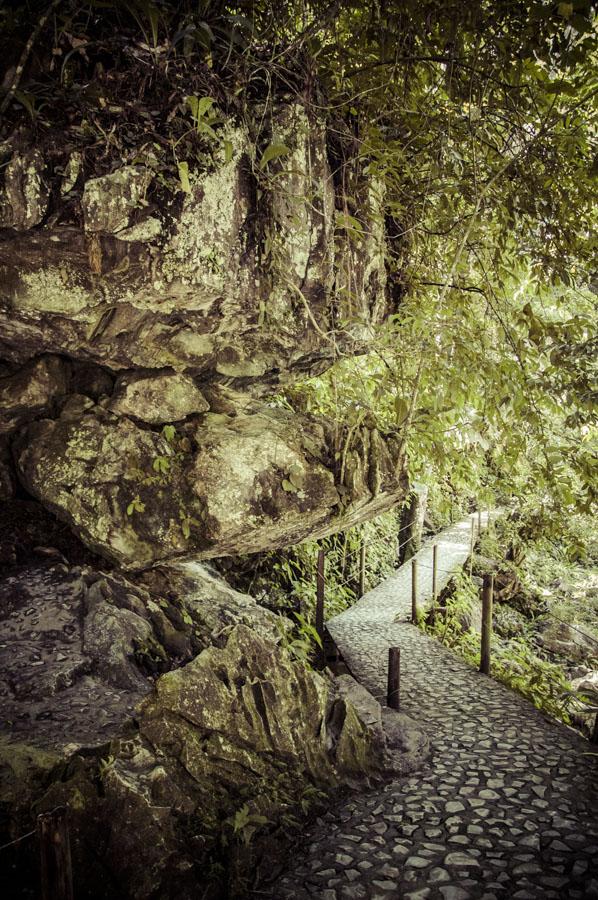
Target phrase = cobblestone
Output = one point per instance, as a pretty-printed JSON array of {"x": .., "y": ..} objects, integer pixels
[{"x": 507, "y": 805}]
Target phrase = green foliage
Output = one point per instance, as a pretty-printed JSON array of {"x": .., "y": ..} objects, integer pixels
[
  {"x": 302, "y": 641},
  {"x": 136, "y": 505},
  {"x": 245, "y": 823},
  {"x": 187, "y": 522},
  {"x": 273, "y": 151},
  {"x": 105, "y": 766},
  {"x": 161, "y": 465},
  {"x": 513, "y": 661},
  {"x": 544, "y": 683}
]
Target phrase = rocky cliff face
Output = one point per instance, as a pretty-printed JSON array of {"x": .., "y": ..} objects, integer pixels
[
  {"x": 144, "y": 332},
  {"x": 243, "y": 274},
  {"x": 169, "y": 714},
  {"x": 137, "y": 341}
]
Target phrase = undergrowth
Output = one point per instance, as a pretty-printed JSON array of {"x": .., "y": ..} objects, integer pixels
[
  {"x": 285, "y": 580},
  {"x": 513, "y": 662}
]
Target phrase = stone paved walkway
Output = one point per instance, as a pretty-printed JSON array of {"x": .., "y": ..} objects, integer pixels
[{"x": 506, "y": 806}]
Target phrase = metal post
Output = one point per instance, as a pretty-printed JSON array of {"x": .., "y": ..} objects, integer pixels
[
  {"x": 487, "y": 596},
  {"x": 414, "y": 591},
  {"x": 55, "y": 853},
  {"x": 394, "y": 678},
  {"x": 434, "y": 582},
  {"x": 320, "y": 595},
  {"x": 472, "y": 543},
  {"x": 362, "y": 569}
]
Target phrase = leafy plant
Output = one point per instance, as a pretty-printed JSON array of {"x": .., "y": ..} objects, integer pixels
[
  {"x": 161, "y": 464},
  {"x": 273, "y": 151},
  {"x": 105, "y": 766},
  {"x": 245, "y": 823},
  {"x": 136, "y": 505}
]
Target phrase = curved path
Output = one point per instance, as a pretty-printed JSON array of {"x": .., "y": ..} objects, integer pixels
[{"x": 507, "y": 804}]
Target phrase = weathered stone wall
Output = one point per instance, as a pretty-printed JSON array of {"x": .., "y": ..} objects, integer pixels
[
  {"x": 142, "y": 344},
  {"x": 235, "y": 277},
  {"x": 160, "y": 709},
  {"x": 178, "y": 314}
]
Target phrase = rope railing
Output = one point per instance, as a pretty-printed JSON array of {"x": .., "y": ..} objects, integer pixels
[
  {"x": 371, "y": 543},
  {"x": 487, "y": 593},
  {"x": 56, "y": 875},
  {"x": 355, "y": 554},
  {"x": 17, "y": 840}
]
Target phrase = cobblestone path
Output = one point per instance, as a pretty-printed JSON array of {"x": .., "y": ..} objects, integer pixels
[{"x": 506, "y": 806}]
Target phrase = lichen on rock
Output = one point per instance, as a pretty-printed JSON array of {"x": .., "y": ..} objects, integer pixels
[
  {"x": 156, "y": 764},
  {"x": 157, "y": 398},
  {"x": 109, "y": 201},
  {"x": 214, "y": 486}
]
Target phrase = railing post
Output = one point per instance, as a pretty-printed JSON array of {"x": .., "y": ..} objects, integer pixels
[
  {"x": 394, "y": 678},
  {"x": 55, "y": 854},
  {"x": 434, "y": 582},
  {"x": 362, "y": 568},
  {"x": 414, "y": 591},
  {"x": 479, "y": 521},
  {"x": 320, "y": 583},
  {"x": 487, "y": 596},
  {"x": 472, "y": 544}
]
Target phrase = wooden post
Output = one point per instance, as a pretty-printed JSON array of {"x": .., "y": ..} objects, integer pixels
[
  {"x": 487, "y": 596},
  {"x": 362, "y": 568},
  {"x": 479, "y": 521},
  {"x": 414, "y": 591},
  {"x": 394, "y": 678},
  {"x": 434, "y": 582},
  {"x": 594, "y": 735},
  {"x": 55, "y": 852},
  {"x": 472, "y": 543},
  {"x": 320, "y": 595}
]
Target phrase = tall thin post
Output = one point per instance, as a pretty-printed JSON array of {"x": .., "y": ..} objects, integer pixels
[
  {"x": 434, "y": 581},
  {"x": 320, "y": 595},
  {"x": 55, "y": 854},
  {"x": 393, "y": 694},
  {"x": 471, "y": 546},
  {"x": 414, "y": 591},
  {"x": 479, "y": 521},
  {"x": 487, "y": 597},
  {"x": 594, "y": 734},
  {"x": 362, "y": 568}
]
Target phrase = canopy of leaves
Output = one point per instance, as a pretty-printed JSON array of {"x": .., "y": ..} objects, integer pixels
[{"x": 477, "y": 121}]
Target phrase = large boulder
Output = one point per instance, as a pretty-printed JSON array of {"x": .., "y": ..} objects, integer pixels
[
  {"x": 169, "y": 715},
  {"x": 157, "y": 398},
  {"x": 238, "y": 275},
  {"x": 566, "y": 642},
  {"x": 216, "y": 485},
  {"x": 32, "y": 391}
]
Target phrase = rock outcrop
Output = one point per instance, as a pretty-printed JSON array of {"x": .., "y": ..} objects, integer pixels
[
  {"x": 137, "y": 336},
  {"x": 32, "y": 391},
  {"x": 235, "y": 276},
  {"x": 215, "y": 485},
  {"x": 170, "y": 717},
  {"x": 149, "y": 314}
]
